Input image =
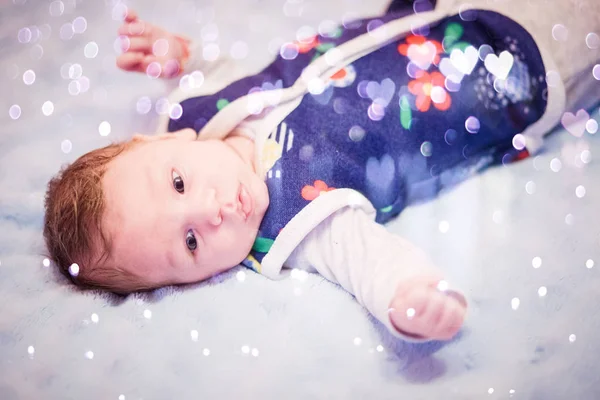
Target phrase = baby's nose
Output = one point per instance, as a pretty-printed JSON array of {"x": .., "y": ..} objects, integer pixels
[{"x": 210, "y": 209}]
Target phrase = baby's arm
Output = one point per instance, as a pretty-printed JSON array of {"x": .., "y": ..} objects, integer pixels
[{"x": 393, "y": 279}]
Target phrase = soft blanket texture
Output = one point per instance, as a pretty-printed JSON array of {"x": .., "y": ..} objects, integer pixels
[{"x": 522, "y": 240}]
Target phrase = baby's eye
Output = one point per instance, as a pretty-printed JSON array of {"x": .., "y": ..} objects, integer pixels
[
  {"x": 177, "y": 182},
  {"x": 190, "y": 241}
]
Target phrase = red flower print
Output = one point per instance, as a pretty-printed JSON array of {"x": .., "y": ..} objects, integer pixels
[
  {"x": 307, "y": 45},
  {"x": 312, "y": 192},
  {"x": 430, "y": 87},
  {"x": 425, "y": 51}
]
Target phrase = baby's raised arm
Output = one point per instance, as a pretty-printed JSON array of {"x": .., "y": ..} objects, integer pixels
[{"x": 392, "y": 278}]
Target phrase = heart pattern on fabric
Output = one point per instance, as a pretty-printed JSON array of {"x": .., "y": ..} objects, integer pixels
[
  {"x": 575, "y": 124},
  {"x": 450, "y": 71},
  {"x": 501, "y": 65},
  {"x": 381, "y": 174},
  {"x": 465, "y": 61},
  {"x": 381, "y": 93},
  {"x": 422, "y": 55}
]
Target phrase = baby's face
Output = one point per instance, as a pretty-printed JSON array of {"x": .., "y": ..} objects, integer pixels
[{"x": 182, "y": 210}]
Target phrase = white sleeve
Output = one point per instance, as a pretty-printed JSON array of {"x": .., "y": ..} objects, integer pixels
[{"x": 349, "y": 248}]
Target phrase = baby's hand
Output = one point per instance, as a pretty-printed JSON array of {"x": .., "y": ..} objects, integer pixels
[
  {"x": 420, "y": 309},
  {"x": 150, "y": 49}
]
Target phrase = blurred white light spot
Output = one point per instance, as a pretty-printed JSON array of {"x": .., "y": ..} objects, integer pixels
[
  {"x": 438, "y": 94},
  {"x": 79, "y": 25},
  {"x": 154, "y": 70},
  {"x": 90, "y": 50},
  {"x": 410, "y": 313},
  {"x": 37, "y": 52},
  {"x": 84, "y": 84},
  {"x": 586, "y": 156},
  {"x": 596, "y": 72},
  {"x": 245, "y": 349},
  {"x": 160, "y": 48},
  {"x": 57, "y": 8},
  {"x": 426, "y": 149},
  {"x": 74, "y": 268},
  {"x": 47, "y": 108},
  {"x": 442, "y": 286},
  {"x": 66, "y": 147},
  {"x": 357, "y": 341},
  {"x": 530, "y": 187},
  {"x": 536, "y": 262},
  {"x": 289, "y": 51},
  {"x": 379, "y": 348},
  {"x": 24, "y": 35},
  {"x": 147, "y": 314},
  {"x": 175, "y": 111},
  {"x": 75, "y": 71},
  {"x": 29, "y": 77},
  {"x": 542, "y": 291},
  {"x": 210, "y": 32},
  {"x": 121, "y": 397},
  {"x": 194, "y": 335},
  {"x": 511, "y": 391},
  {"x": 569, "y": 219},
  {"x": 515, "y": 302},
  {"x": 14, "y": 111},
  {"x": 255, "y": 352},
  {"x": 95, "y": 318},
  {"x": 206, "y": 352},
  {"x": 592, "y": 40},
  {"x": 104, "y": 128},
  {"x": 560, "y": 33},
  {"x": 299, "y": 274},
  {"x": 591, "y": 126},
  {"x": 518, "y": 141},
  {"x": 356, "y": 133},
  {"x": 497, "y": 216},
  {"x": 580, "y": 191},
  {"x": 74, "y": 88},
  {"x": 161, "y": 106},
  {"x": 66, "y": 31},
  {"x": 589, "y": 264},
  {"x": 241, "y": 276},
  {"x": 143, "y": 105},
  {"x": 555, "y": 165},
  {"x": 46, "y": 262},
  {"x": 444, "y": 226},
  {"x": 30, "y": 350},
  {"x": 89, "y": 355},
  {"x": 239, "y": 50},
  {"x": 491, "y": 390},
  {"x": 211, "y": 52},
  {"x": 472, "y": 125},
  {"x": 119, "y": 12},
  {"x": 316, "y": 86}
]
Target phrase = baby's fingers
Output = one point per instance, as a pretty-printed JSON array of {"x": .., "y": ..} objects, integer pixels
[
  {"x": 130, "y": 61},
  {"x": 130, "y": 15},
  {"x": 135, "y": 28}
]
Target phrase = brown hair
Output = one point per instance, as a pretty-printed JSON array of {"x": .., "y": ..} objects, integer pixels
[{"x": 74, "y": 208}]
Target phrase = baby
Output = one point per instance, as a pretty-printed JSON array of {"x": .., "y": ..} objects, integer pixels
[{"x": 300, "y": 164}]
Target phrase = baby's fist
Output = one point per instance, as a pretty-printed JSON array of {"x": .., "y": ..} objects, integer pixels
[{"x": 422, "y": 310}]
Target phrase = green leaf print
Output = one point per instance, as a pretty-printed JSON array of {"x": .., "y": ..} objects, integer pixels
[
  {"x": 405, "y": 113},
  {"x": 221, "y": 103},
  {"x": 452, "y": 33},
  {"x": 262, "y": 245},
  {"x": 386, "y": 209},
  {"x": 323, "y": 47}
]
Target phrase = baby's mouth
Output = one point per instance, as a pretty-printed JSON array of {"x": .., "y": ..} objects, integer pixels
[{"x": 245, "y": 201}]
